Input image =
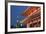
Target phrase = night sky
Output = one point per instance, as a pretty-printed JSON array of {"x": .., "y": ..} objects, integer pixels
[{"x": 16, "y": 12}]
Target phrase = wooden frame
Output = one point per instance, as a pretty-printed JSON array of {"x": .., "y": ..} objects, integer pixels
[{"x": 6, "y": 17}]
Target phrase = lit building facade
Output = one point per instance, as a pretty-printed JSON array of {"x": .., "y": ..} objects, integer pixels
[{"x": 33, "y": 17}]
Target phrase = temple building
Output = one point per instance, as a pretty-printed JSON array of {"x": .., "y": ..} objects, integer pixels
[{"x": 33, "y": 17}]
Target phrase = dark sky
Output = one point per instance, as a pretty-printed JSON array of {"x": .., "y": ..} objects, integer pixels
[{"x": 16, "y": 14}]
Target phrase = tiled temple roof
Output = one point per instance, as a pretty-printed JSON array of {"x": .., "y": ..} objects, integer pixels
[{"x": 32, "y": 15}]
